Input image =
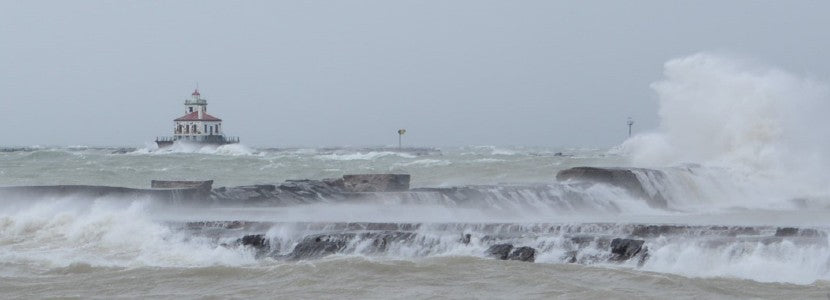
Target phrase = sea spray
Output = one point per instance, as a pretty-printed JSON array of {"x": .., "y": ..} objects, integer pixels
[
  {"x": 101, "y": 232},
  {"x": 761, "y": 129},
  {"x": 720, "y": 110}
]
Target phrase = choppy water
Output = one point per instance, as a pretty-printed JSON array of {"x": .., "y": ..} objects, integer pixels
[
  {"x": 136, "y": 248},
  {"x": 240, "y": 165}
]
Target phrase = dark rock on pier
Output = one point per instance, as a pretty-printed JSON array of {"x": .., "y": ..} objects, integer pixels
[
  {"x": 500, "y": 251},
  {"x": 791, "y": 231},
  {"x": 508, "y": 252},
  {"x": 625, "y": 249},
  {"x": 570, "y": 256},
  {"x": 257, "y": 241},
  {"x": 527, "y": 254},
  {"x": 320, "y": 245},
  {"x": 786, "y": 231},
  {"x": 466, "y": 238}
]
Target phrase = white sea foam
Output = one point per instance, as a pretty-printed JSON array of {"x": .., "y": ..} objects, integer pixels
[
  {"x": 362, "y": 156},
  {"x": 179, "y": 147},
  {"x": 425, "y": 163},
  {"x": 64, "y": 231},
  {"x": 488, "y": 160},
  {"x": 782, "y": 261},
  {"x": 759, "y": 131}
]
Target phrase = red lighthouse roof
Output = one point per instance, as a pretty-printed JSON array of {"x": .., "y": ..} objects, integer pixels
[
  {"x": 194, "y": 116},
  {"x": 195, "y": 92}
]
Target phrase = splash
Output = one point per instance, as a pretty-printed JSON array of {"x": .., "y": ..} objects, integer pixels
[
  {"x": 183, "y": 147},
  {"x": 372, "y": 155},
  {"x": 763, "y": 128},
  {"x": 101, "y": 232},
  {"x": 720, "y": 110}
]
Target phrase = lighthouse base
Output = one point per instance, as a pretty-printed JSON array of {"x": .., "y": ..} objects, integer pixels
[{"x": 213, "y": 140}]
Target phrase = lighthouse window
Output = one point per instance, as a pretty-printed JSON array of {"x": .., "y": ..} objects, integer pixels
[{"x": 191, "y": 109}]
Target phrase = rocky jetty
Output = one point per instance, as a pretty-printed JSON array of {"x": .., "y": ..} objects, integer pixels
[
  {"x": 583, "y": 243},
  {"x": 578, "y": 243}
]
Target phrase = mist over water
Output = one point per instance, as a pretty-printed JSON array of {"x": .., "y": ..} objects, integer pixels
[{"x": 739, "y": 154}]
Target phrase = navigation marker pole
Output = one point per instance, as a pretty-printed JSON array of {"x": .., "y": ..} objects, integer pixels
[
  {"x": 630, "y": 123},
  {"x": 400, "y": 134}
]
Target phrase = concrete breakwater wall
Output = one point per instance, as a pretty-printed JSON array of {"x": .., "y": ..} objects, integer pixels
[
  {"x": 569, "y": 193},
  {"x": 94, "y": 191},
  {"x": 289, "y": 192}
]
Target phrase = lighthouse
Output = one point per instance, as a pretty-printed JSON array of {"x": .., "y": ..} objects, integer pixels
[{"x": 196, "y": 126}]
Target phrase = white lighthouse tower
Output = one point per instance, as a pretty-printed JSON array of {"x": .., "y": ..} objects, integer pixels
[{"x": 196, "y": 126}]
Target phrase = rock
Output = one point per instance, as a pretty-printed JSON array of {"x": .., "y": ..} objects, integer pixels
[
  {"x": 523, "y": 254},
  {"x": 508, "y": 252},
  {"x": 804, "y": 232},
  {"x": 320, "y": 245},
  {"x": 257, "y": 241},
  {"x": 786, "y": 231},
  {"x": 376, "y": 183},
  {"x": 500, "y": 251},
  {"x": 624, "y": 249},
  {"x": 465, "y": 239},
  {"x": 570, "y": 256},
  {"x": 619, "y": 177}
]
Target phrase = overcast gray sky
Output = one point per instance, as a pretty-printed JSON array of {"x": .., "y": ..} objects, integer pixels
[{"x": 334, "y": 73}]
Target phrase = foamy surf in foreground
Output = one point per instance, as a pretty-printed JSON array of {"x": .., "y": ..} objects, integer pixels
[{"x": 54, "y": 234}]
